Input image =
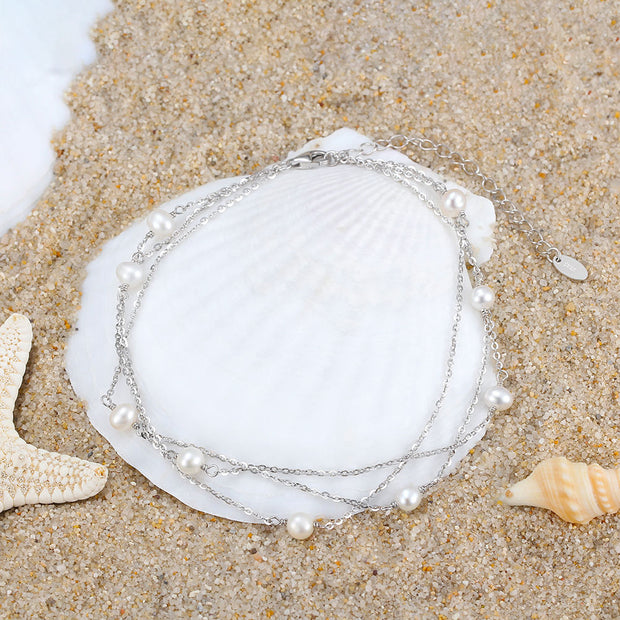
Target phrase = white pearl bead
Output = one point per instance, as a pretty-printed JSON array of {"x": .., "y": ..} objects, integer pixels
[
  {"x": 409, "y": 499},
  {"x": 300, "y": 525},
  {"x": 482, "y": 297},
  {"x": 453, "y": 203},
  {"x": 190, "y": 460},
  {"x": 160, "y": 222},
  {"x": 498, "y": 397},
  {"x": 130, "y": 273},
  {"x": 123, "y": 417}
]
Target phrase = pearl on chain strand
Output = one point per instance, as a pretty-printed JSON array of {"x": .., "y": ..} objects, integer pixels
[
  {"x": 482, "y": 297},
  {"x": 453, "y": 203},
  {"x": 160, "y": 222},
  {"x": 300, "y": 525},
  {"x": 123, "y": 417},
  {"x": 130, "y": 273},
  {"x": 408, "y": 499},
  {"x": 190, "y": 460},
  {"x": 498, "y": 397}
]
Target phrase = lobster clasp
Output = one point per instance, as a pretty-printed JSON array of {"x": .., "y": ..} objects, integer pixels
[{"x": 309, "y": 159}]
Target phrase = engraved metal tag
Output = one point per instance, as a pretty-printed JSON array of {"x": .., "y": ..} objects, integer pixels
[{"x": 570, "y": 267}]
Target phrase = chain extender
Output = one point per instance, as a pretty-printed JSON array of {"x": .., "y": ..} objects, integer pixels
[{"x": 566, "y": 265}]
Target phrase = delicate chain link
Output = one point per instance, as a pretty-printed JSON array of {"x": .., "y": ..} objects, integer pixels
[
  {"x": 199, "y": 213},
  {"x": 471, "y": 168}
]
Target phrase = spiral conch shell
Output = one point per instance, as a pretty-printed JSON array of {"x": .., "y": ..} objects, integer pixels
[{"x": 576, "y": 492}]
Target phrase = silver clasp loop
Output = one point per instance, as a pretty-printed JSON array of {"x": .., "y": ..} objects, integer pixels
[
  {"x": 211, "y": 470},
  {"x": 309, "y": 159}
]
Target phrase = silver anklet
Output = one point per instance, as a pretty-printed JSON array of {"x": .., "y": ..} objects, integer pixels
[{"x": 167, "y": 230}]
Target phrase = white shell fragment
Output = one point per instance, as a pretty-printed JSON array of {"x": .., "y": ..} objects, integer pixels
[
  {"x": 308, "y": 326},
  {"x": 29, "y": 475},
  {"x": 43, "y": 47}
]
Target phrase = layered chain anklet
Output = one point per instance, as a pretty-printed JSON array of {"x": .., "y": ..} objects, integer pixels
[{"x": 167, "y": 230}]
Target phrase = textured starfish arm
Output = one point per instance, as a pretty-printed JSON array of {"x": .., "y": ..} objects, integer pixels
[
  {"x": 15, "y": 342},
  {"x": 29, "y": 475}
]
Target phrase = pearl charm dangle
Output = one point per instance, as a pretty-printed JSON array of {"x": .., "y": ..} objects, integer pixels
[
  {"x": 300, "y": 525},
  {"x": 130, "y": 273},
  {"x": 160, "y": 222},
  {"x": 498, "y": 397},
  {"x": 453, "y": 203},
  {"x": 123, "y": 417},
  {"x": 190, "y": 460},
  {"x": 482, "y": 297},
  {"x": 409, "y": 499}
]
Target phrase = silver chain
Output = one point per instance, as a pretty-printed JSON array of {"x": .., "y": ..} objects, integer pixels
[
  {"x": 487, "y": 184},
  {"x": 199, "y": 213}
]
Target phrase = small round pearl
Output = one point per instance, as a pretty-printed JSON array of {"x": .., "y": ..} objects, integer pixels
[
  {"x": 130, "y": 273},
  {"x": 300, "y": 525},
  {"x": 409, "y": 499},
  {"x": 498, "y": 397},
  {"x": 160, "y": 222},
  {"x": 482, "y": 297},
  {"x": 453, "y": 203},
  {"x": 190, "y": 460},
  {"x": 123, "y": 417}
]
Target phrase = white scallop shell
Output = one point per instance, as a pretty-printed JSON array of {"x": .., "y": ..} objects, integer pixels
[{"x": 308, "y": 326}]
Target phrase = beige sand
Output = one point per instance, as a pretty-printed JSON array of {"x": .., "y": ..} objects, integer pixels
[{"x": 187, "y": 91}]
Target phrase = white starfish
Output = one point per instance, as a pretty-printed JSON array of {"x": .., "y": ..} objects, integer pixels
[{"x": 29, "y": 475}]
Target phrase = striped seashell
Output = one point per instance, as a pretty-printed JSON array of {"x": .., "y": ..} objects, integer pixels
[{"x": 576, "y": 492}]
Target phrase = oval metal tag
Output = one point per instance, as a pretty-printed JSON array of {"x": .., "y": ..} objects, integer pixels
[{"x": 570, "y": 267}]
